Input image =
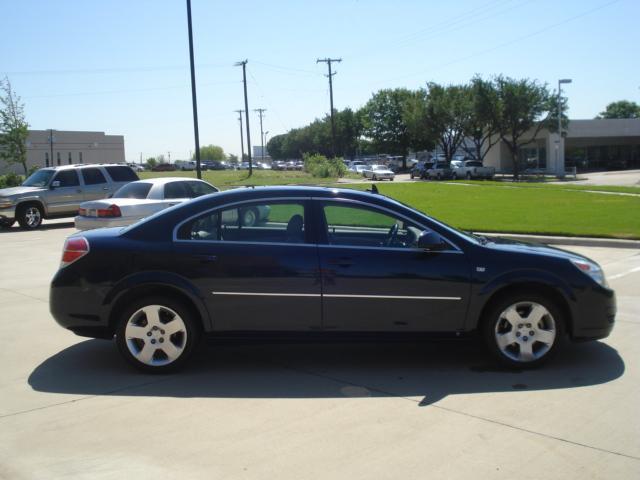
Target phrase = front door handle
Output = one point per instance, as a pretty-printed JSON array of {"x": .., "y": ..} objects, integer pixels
[
  {"x": 341, "y": 262},
  {"x": 105, "y": 188}
]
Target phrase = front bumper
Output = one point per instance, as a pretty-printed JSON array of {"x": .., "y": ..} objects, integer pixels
[
  {"x": 8, "y": 213},
  {"x": 594, "y": 314}
]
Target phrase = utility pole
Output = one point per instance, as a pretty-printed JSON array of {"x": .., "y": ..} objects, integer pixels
[
  {"x": 193, "y": 93},
  {"x": 328, "y": 61},
  {"x": 240, "y": 112},
  {"x": 260, "y": 112},
  {"x": 51, "y": 145},
  {"x": 246, "y": 111},
  {"x": 169, "y": 155}
]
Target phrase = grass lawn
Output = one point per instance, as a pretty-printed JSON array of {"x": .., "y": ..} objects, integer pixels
[
  {"x": 549, "y": 208},
  {"x": 561, "y": 185}
]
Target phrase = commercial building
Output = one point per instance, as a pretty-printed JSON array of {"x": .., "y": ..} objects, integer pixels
[
  {"x": 57, "y": 147},
  {"x": 588, "y": 145}
]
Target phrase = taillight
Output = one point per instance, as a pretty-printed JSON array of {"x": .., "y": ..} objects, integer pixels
[
  {"x": 74, "y": 248},
  {"x": 112, "y": 211}
]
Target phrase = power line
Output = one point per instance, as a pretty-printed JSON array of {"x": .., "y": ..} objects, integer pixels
[
  {"x": 111, "y": 70},
  {"x": 502, "y": 45},
  {"x": 328, "y": 61}
]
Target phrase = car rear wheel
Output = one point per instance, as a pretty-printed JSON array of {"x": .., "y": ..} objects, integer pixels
[
  {"x": 157, "y": 334},
  {"x": 29, "y": 216},
  {"x": 468, "y": 175},
  {"x": 454, "y": 176},
  {"x": 249, "y": 217},
  {"x": 524, "y": 330}
]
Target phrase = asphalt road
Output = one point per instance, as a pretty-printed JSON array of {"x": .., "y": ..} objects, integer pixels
[{"x": 70, "y": 407}]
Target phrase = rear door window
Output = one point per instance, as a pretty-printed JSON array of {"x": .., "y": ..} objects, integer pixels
[
  {"x": 121, "y": 174},
  {"x": 134, "y": 190},
  {"x": 177, "y": 190},
  {"x": 93, "y": 176}
]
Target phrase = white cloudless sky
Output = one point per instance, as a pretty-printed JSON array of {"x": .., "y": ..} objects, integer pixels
[{"x": 123, "y": 67}]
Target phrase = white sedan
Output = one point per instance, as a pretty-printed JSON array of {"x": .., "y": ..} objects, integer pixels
[
  {"x": 378, "y": 172},
  {"x": 137, "y": 200}
]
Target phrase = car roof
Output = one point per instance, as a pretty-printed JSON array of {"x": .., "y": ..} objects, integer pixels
[{"x": 163, "y": 180}]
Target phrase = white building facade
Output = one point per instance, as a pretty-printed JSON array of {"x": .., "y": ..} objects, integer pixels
[{"x": 58, "y": 147}]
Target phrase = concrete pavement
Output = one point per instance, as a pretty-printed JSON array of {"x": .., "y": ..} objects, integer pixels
[{"x": 70, "y": 407}]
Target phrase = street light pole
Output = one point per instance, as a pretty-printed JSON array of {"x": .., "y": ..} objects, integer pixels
[
  {"x": 560, "y": 168},
  {"x": 193, "y": 93}
]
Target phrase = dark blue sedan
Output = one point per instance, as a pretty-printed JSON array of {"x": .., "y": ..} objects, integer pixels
[{"x": 324, "y": 263}]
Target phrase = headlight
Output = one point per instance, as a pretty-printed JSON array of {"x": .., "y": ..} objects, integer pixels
[
  {"x": 5, "y": 202},
  {"x": 592, "y": 269}
]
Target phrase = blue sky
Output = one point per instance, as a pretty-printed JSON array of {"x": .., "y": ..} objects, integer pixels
[{"x": 122, "y": 66}]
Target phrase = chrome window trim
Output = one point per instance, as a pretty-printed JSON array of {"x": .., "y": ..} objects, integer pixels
[
  {"x": 455, "y": 249},
  {"x": 230, "y": 205},
  {"x": 268, "y": 294}
]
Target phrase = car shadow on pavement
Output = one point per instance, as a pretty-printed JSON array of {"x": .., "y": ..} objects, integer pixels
[
  {"x": 44, "y": 226},
  {"x": 426, "y": 372}
]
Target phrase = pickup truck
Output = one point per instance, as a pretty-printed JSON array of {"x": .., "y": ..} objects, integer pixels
[
  {"x": 472, "y": 169},
  {"x": 58, "y": 192}
]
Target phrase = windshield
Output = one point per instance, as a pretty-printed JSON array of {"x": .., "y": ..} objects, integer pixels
[{"x": 40, "y": 178}]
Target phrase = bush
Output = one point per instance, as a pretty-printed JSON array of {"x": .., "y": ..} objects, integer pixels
[
  {"x": 10, "y": 180},
  {"x": 323, "y": 167}
]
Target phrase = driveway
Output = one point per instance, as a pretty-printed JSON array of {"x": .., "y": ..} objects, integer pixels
[
  {"x": 628, "y": 178},
  {"x": 70, "y": 407}
]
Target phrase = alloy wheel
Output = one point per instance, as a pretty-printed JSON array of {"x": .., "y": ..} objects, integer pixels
[
  {"x": 32, "y": 217},
  {"x": 155, "y": 335},
  {"x": 525, "y": 332}
]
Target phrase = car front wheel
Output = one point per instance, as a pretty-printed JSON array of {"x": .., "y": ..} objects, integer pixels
[
  {"x": 29, "y": 216},
  {"x": 157, "y": 334},
  {"x": 523, "y": 330}
]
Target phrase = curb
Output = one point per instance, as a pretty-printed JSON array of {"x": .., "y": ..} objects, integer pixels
[{"x": 579, "y": 241}]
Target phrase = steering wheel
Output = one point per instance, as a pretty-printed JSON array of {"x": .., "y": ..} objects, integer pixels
[{"x": 391, "y": 236}]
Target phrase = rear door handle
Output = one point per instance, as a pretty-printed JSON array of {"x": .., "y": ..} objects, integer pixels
[{"x": 206, "y": 258}]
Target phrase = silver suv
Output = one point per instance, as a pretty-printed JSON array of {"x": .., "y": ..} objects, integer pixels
[{"x": 58, "y": 191}]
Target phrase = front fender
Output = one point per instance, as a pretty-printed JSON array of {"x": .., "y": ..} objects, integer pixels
[
  {"x": 160, "y": 279},
  {"x": 32, "y": 198},
  {"x": 484, "y": 293}
]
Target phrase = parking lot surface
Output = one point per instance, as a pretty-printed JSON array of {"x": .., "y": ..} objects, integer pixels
[{"x": 70, "y": 407}]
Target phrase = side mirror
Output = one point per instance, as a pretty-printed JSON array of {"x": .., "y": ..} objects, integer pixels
[
  {"x": 431, "y": 241},
  {"x": 55, "y": 184}
]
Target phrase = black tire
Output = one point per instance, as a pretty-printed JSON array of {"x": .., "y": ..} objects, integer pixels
[
  {"x": 250, "y": 217},
  {"x": 438, "y": 177},
  {"x": 468, "y": 175},
  {"x": 6, "y": 223},
  {"x": 391, "y": 179},
  {"x": 374, "y": 178},
  {"x": 454, "y": 176},
  {"x": 495, "y": 323},
  {"x": 185, "y": 340},
  {"x": 29, "y": 216}
]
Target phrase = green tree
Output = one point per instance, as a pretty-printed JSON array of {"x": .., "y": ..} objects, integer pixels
[
  {"x": 211, "y": 153},
  {"x": 480, "y": 127},
  {"x": 275, "y": 146},
  {"x": 384, "y": 121},
  {"x": 447, "y": 112},
  {"x": 151, "y": 162},
  {"x": 523, "y": 109},
  {"x": 13, "y": 127},
  {"x": 621, "y": 109},
  {"x": 232, "y": 158}
]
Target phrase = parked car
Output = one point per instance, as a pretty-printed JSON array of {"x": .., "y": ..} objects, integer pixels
[
  {"x": 359, "y": 168},
  {"x": 138, "y": 200},
  {"x": 326, "y": 263},
  {"x": 419, "y": 170},
  {"x": 136, "y": 167},
  {"x": 378, "y": 172},
  {"x": 212, "y": 165},
  {"x": 439, "y": 171},
  {"x": 57, "y": 192},
  {"x": 186, "y": 165},
  {"x": 279, "y": 165},
  {"x": 164, "y": 167},
  {"x": 243, "y": 166},
  {"x": 472, "y": 169}
]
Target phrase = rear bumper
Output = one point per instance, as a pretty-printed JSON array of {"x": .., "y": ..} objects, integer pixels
[{"x": 89, "y": 223}]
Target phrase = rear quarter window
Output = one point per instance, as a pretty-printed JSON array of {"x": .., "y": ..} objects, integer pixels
[{"x": 122, "y": 174}]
